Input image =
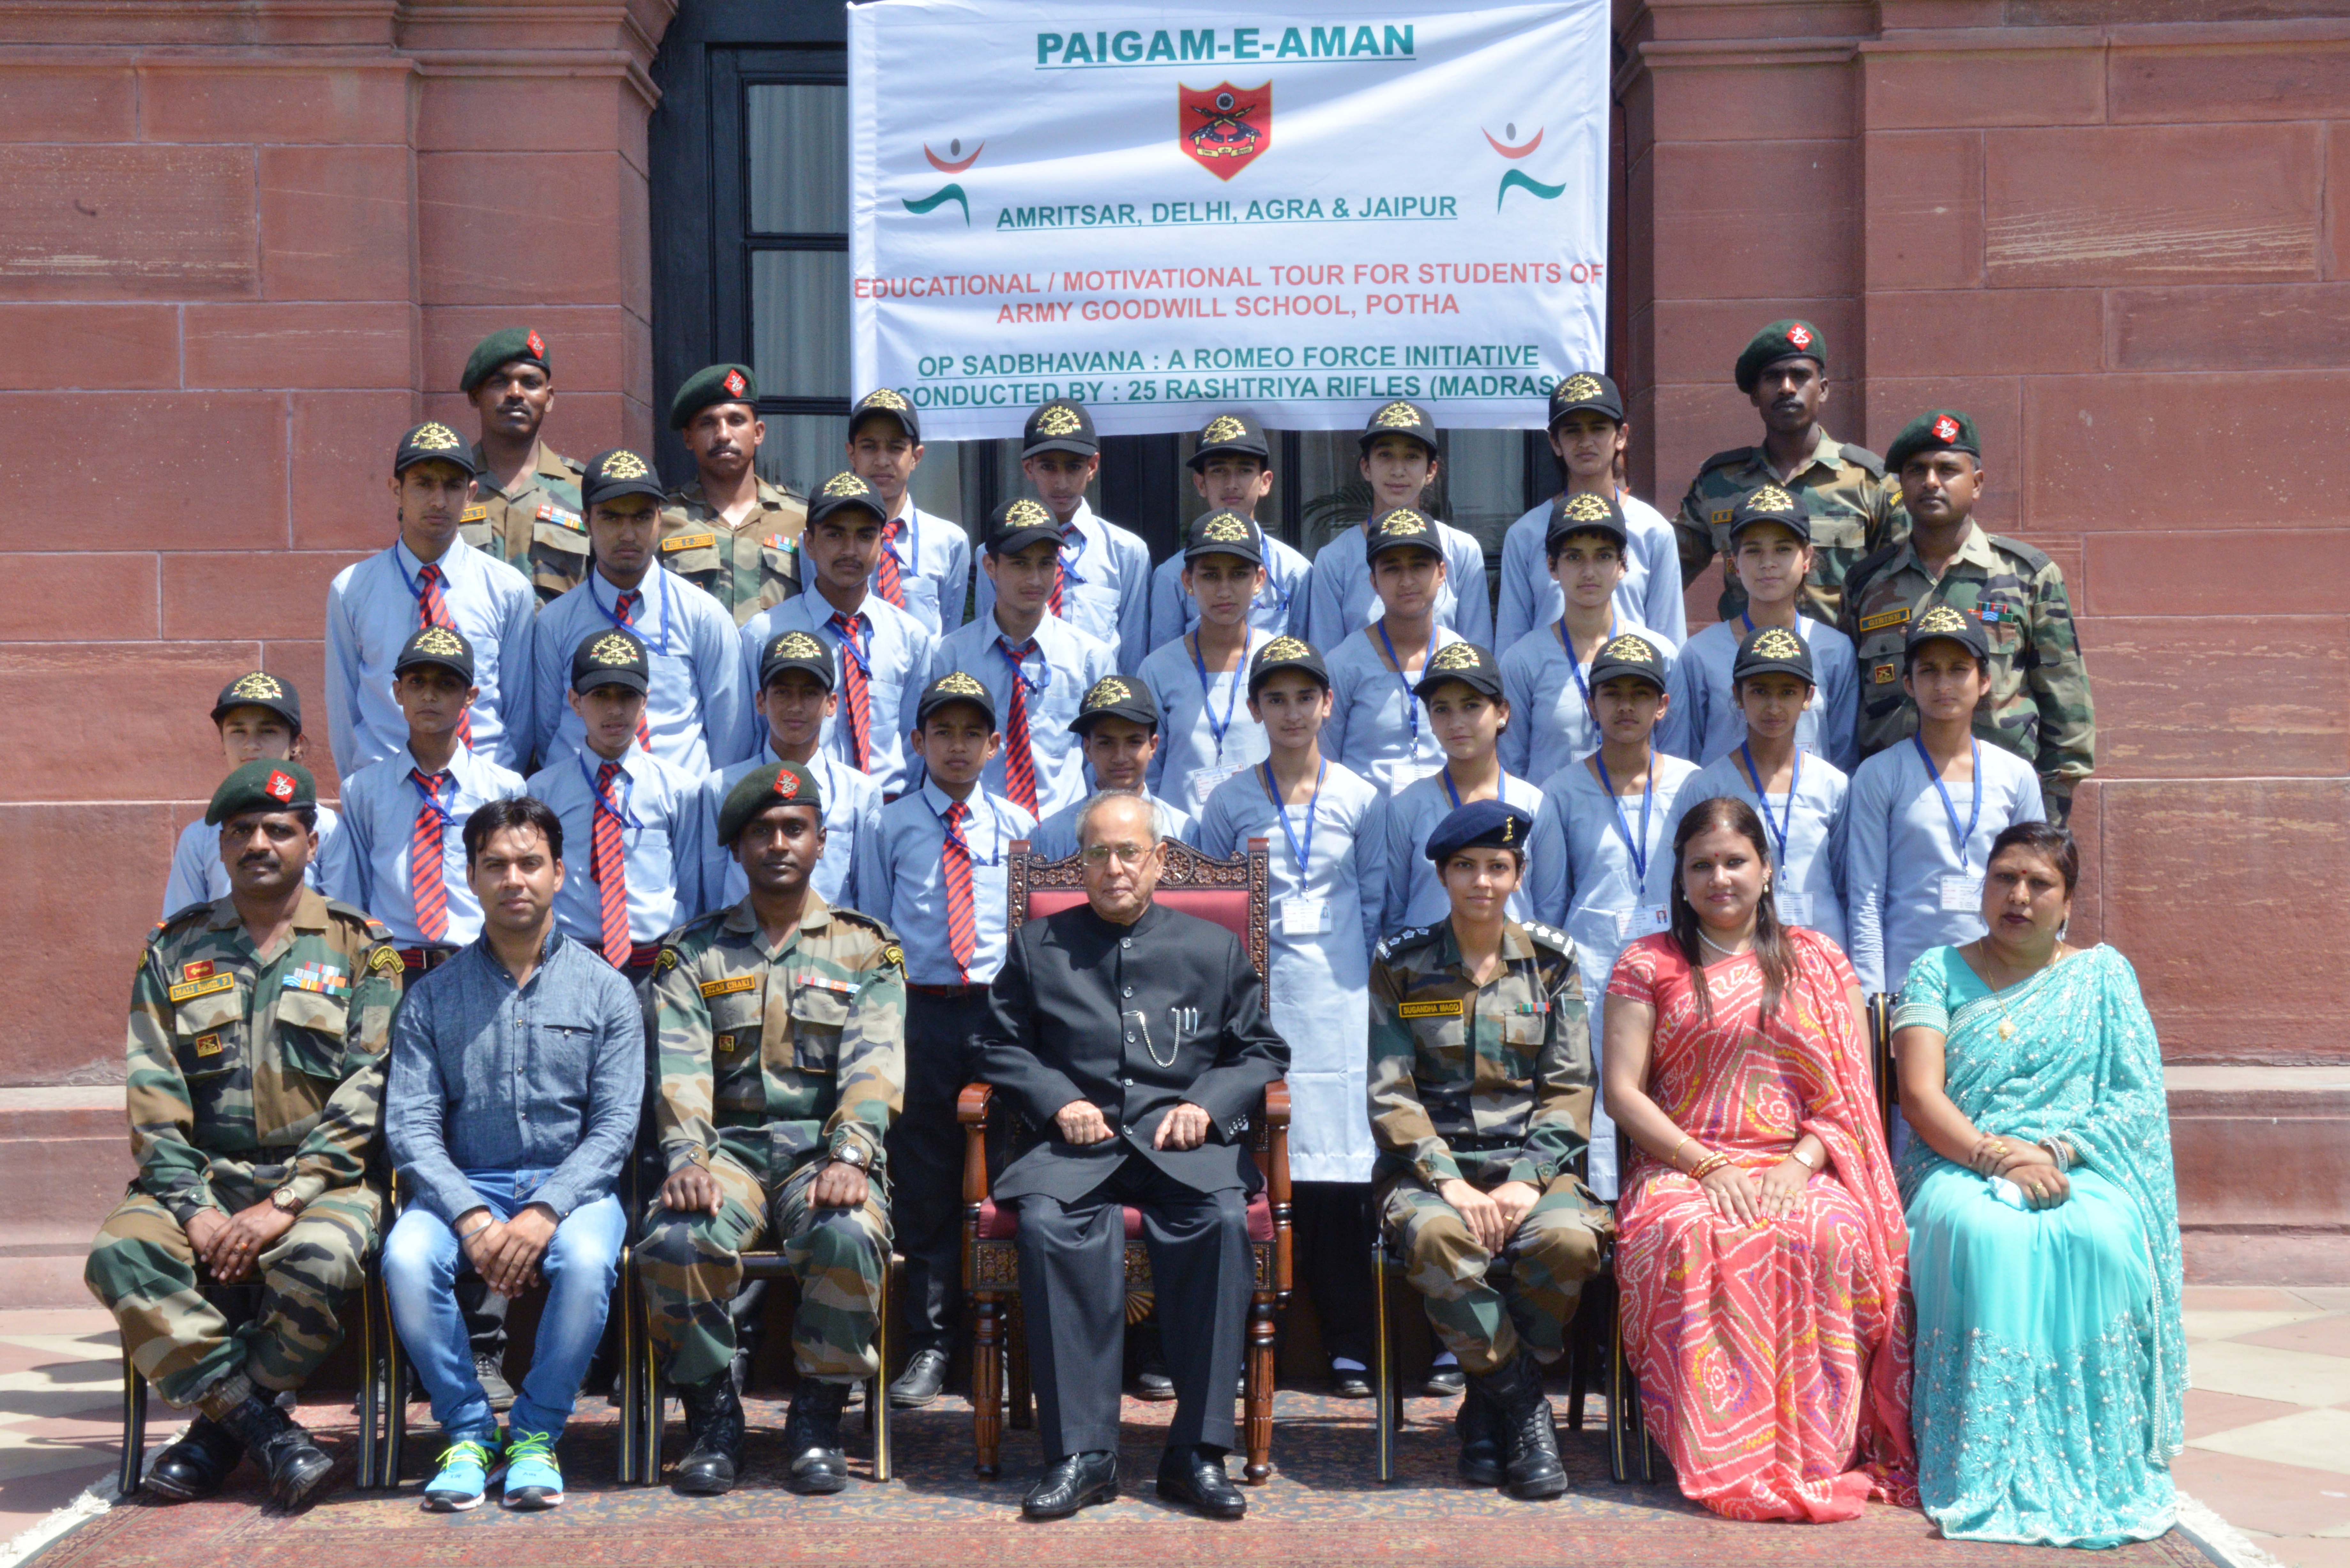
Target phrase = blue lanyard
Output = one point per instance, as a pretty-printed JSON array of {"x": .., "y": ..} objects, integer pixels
[
  {"x": 619, "y": 808},
  {"x": 1568, "y": 648},
  {"x": 1966, "y": 836},
  {"x": 848, "y": 635},
  {"x": 406, "y": 577},
  {"x": 1019, "y": 674},
  {"x": 1410, "y": 703},
  {"x": 1231, "y": 692},
  {"x": 1640, "y": 848},
  {"x": 612, "y": 614},
  {"x": 1305, "y": 852},
  {"x": 956, "y": 837},
  {"x": 1501, "y": 787},
  {"x": 431, "y": 798},
  {"x": 1779, "y": 830},
  {"x": 910, "y": 565},
  {"x": 1069, "y": 578}
]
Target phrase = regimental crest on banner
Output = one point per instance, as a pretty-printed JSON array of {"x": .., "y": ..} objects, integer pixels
[{"x": 1223, "y": 128}]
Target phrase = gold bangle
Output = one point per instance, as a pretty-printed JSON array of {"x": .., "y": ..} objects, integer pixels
[
  {"x": 1709, "y": 1165},
  {"x": 1674, "y": 1158}
]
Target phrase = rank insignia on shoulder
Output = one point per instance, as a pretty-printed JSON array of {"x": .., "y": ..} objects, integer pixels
[
  {"x": 199, "y": 970},
  {"x": 728, "y": 987},
  {"x": 1430, "y": 1009},
  {"x": 1889, "y": 618},
  {"x": 668, "y": 960},
  {"x": 473, "y": 514},
  {"x": 188, "y": 991},
  {"x": 690, "y": 542},
  {"x": 1719, "y": 516},
  {"x": 1884, "y": 674},
  {"x": 894, "y": 954}
]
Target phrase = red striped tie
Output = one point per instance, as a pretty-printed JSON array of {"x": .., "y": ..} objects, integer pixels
[
  {"x": 433, "y": 609},
  {"x": 426, "y": 890},
  {"x": 1060, "y": 572},
  {"x": 1019, "y": 758},
  {"x": 610, "y": 870},
  {"x": 626, "y": 608},
  {"x": 962, "y": 925},
  {"x": 852, "y": 681},
  {"x": 886, "y": 578}
]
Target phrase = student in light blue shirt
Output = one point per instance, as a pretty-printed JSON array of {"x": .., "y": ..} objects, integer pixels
[
  {"x": 1037, "y": 667},
  {"x": 1771, "y": 536},
  {"x": 698, "y": 710},
  {"x": 1199, "y": 678},
  {"x": 883, "y": 653},
  {"x": 1602, "y": 843},
  {"x": 429, "y": 577},
  {"x": 795, "y": 700},
  {"x": 1398, "y": 462},
  {"x": 1376, "y": 728},
  {"x": 1102, "y": 584},
  {"x": 1546, "y": 674},
  {"x": 1466, "y": 714},
  {"x": 415, "y": 802},
  {"x": 258, "y": 716},
  {"x": 1921, "y": 815},
  {"x": 1117, "y": 726},
  {"x": 632, "y": 854},
  {"x": 1231, "y": 468},
  {"x": 1587, "y": 434},
  {"x": 924, "y": 566},
  {"x": 1800, "y": 797}
]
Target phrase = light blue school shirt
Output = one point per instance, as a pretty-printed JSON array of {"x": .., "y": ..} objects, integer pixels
[
  {"x": 1055, "y": 673},
  {"x": 1341, "y": 600},
  {"x": 1650, "y": 592},
  {"x": 698, "y": 704},
  {"x": 1104, "y": 590},
  {"x": 379, "y": 806},
  {"x": 1807, "y": 876},
  {"x": 1278, "y": 609},
  {"x": 371, "y": 612},
  {"x": 898, "y": 650},
  {"x": 1377, "y": 728},
  {"x": 1415, "y": 894},
  {"x": 1320, "y": 981},
  {"x": 199, "y": 876},
  {"x": 1705, "y": 724},
  {"x": 849, "y": 800},
  {"x": 661, "y": 839},
  {"x": 901, "y": 878},
  {"x": 1192, "y": 761},
  {"x": 1055, "y": 837},
  {"x": 1898, "y": 845},
  {"x": 1585, "y": 881},
  {"x": 1550, "y": 700},
  {"x": 933, "y": 556}
]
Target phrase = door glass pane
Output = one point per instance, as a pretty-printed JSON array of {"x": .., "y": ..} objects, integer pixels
[
  {"x": 1484, "y": 480},
  {"x": 799, "y": 323},
  {"x": 799, "y": 158},
  {"x": 802, "y": 451}
]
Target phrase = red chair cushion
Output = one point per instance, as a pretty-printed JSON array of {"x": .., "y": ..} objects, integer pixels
[
  {"x": 1002, "y": 1224},
  {"x": 1227, "y": 907}
]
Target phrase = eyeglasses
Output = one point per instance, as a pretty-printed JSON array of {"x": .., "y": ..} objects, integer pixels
[{"x": 1123, "y": 853}]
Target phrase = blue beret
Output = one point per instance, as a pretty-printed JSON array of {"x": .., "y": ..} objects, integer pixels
[{"x": 1479, "y": 825}]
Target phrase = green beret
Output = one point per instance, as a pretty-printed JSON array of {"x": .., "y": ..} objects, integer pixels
[
  {"x": 1781, "y": 340},
  {"x": 712, "y": 384},
  {"x": 1936, "y": 429},
  {"x": 262, "y": 785},
  {"x": 500, "y": 349},
  {"x": 777, "y": 783}
]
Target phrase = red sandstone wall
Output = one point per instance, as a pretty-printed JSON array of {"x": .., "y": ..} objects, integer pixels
[
  {"x": 238, "y": 241},
  {"x": 2112, "y": 233}
]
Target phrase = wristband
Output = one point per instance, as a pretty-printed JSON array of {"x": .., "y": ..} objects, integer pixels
[{"x": 465, "y": 1236}]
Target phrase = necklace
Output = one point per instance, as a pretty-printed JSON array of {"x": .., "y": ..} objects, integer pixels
[
  {"x": 1726, "y": 953},
  {"x": 1999, "y": 993}
]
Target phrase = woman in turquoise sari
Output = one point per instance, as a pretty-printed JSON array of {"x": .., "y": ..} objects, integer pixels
[{"x": 2050, "y": 1367}]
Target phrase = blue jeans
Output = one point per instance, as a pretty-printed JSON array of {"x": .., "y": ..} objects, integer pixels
[{"x": 422, "y": 1259}]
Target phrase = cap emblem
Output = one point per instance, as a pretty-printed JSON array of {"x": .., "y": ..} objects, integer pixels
[
  {"x": 1770, "y": 498},
  {"x": 1585, "y": 507},
  {"x": 1580, "y": 386},
  {"x": 1026, "y": 514},
  {"x": 1799, "y": 336},
  {"x": 1397, "y": 416},
  {"x": 535, "y": 343},
  {"x": 787, "y": 783},
  {"x": 440, "y": 642},
  {"x": 435, "y": 437},
  {"x": 259, "y": 687},
  {"x": 1630, "y": 649},
  {"x": 624, "y": 465},
  {"x": 1946, "y": 429},
  {"x": 886, "y": 398},
  {"x": 1109, "y": 689},
  {"x": 1282, "y": 647},
  {"x": 1457, "y": 656},
  {"x": 960, "y": 684},
  {"x": 614, "y": 650},
  {"x": 846, "y": 483},
  {"x": 1509, "y": 829},
  {"x": 1778, "y": 642},
  {"x": 1059, "y": 420},
  {"x": 1223, "y": 427},
  {"x": 796, "y": 644},
  {"x": 1942, "y": 621},
  {"x": 279, "y": 787},
  {"x": 736, "y": 387},
  {"x": 1401, "y": 522},
  {"x": 1224, "y": 528}
]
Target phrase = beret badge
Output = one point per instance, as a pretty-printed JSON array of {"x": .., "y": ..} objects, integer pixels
[
  {"x": 536, "y": 344},
  {"x": 734, "y": 384},
  {"x": 1799, "y": 336},
  {"x": 787, "y": 783},
  {"x": 1946, "y": 429},
  {"x": 279, "y": 787}
]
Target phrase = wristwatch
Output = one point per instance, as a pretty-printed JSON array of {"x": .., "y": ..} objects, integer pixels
[
  {"x": 285, "y": 1201},
  {"x": 851, "y": 1154}
]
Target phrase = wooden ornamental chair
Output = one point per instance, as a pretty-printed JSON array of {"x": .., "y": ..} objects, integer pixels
[
  {"x": 1880, "y": 1059},
  {"x": 1233, "y": 894}
]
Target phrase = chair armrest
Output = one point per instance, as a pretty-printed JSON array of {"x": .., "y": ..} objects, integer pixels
[
  {"x": 971, "y": 1110},
  {"x": 970, "y": 1105},
  {"x": 1276, "y": 1102}
]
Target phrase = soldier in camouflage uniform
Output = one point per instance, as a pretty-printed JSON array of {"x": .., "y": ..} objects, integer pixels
[
  {"x": 256, "y": 1087},
  {"x": 533, "y": 521},
  {"x": 2039, "y": 705},
  {"x": 1855, "y": 509},
  {"x": 780, "y": 1026},
  {"x": 743, "y": 551},
  {"x": 1481, "y": 1096}
]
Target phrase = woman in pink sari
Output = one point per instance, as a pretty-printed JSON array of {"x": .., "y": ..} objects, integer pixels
[{"x": 1760, "y": 1249}]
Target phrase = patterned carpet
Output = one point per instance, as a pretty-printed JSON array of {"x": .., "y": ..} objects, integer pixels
[{"x": 1321, "y": 1507}]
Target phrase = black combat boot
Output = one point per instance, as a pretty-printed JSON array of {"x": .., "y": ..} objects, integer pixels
[
  {"x": 196, "y": 1465},
  {"x": 812, "y": 1457},
  {"x": 295, "y": 1465},
  {"x": 713, "y": 1420},
  {"x": 1529, "y": 1441},
  {"x": 1479, "y": 1427}
]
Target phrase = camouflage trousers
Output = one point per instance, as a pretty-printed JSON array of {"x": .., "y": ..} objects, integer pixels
[
  {"x": 691, "y": 1267},
  {"x": 1555, "y": 1249},
  {"x": 144, "y": 1268}
]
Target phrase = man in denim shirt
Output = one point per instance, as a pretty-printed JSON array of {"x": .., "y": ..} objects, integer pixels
[{"x": 517, "y": 1073}]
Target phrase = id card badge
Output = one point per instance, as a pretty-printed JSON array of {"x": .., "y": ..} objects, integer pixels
[
  {"x": 1304, "y": 917},
  {"x": 1203, "y": 783},
  {"x": 1794, "y": 909},
  {"x": 1961, "y": 893},
  {"x": 1631, "y": 925}
]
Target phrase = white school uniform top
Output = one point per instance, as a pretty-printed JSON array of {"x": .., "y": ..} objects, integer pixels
[
  {"x": 1279, "y": 606},
  {"x": 1550, "y": 699},
  {"x": 1377, "y": 728},
  {"x": 1650, "y": 591},
  {"x": 1344, "y": 602},
  {"x": 1105, "y": 588},
  {"x": 1192, "y": 759},
  {"x": 1705, "y": 724},
  {"x": 1807, "y": 877}
]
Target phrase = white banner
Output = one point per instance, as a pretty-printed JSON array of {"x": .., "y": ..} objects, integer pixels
[{"x": 1301, "y": 212}]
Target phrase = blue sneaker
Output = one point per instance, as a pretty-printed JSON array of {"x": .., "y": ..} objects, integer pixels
[
  {"x": 533, "y": 1481},
  {"x": 464, "y": 1476}
]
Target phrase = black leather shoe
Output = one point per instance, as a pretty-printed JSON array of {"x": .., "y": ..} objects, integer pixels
[
  {"x": 1443, "y": 1382},
  {"x": 1196, "y": 1476},
  {"x": 295, "y": 1465},
  {"x": 812, "y": 1457},
  {"x": 1479, "y": 1427},
  {"x": 922, "y": 1383},
  {"x": 491, "y": 1369},
  {"x": 196, "y": 1465},
  {"x": 1529, "y": 1440},
  {"x": 1152, "y": 1382},
  {"x": 714, "y": 1423},
  {"x": 1349, "y": 1382},
  {"x": 1067, "y": 1485}
]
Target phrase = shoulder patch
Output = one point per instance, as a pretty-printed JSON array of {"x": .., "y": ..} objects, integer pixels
[
  {"x": 1724, "y": 459},
  {"x": 1861, "y": 457},
  {"x": 386, "y": 961},
  {"x": 2031, "y": 556},
  {"x": 476, "y": 513}
]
